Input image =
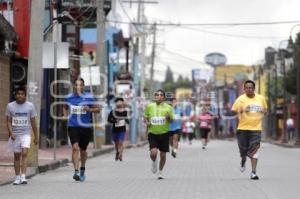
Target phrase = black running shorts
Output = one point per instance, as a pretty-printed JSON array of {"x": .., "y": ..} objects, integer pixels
[
  {"x": 159, "y": 141},
  {"x": 80, "y": 135},
  {"x": 204, "y": 132}
]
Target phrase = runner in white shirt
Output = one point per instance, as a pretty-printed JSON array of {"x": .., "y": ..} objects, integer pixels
[
  {"x": 20, "y": 117},
  {"x": 190, "y": 128}
]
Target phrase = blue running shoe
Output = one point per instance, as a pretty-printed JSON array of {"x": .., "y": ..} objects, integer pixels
[{"x": 82, "y": 176}]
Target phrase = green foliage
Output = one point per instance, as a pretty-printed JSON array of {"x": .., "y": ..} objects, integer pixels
[
  {"x": 278, "y": 86},
  {"x": 290, "y": 81},
  {"x": 169, "y": 76},
  {"x": 291, "y": 75},
  {"x": 297, "y": 42},
  {"x": 180, "y": 79},
  {"x": 170, "y": 85}
]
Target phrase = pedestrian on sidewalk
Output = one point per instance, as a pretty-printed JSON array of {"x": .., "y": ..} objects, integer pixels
[
  {"x": 20, "y": 120},
  {"x": 79, "y": 108},
  {"x": 205, "y": 119},
  {"x": 158, "y": 115},
  {"x": 175, "y": 127},
  {"x": 119, "y": 118},
  {"x": 290, "y": 128},
  {"x": 250, "y": 108}
]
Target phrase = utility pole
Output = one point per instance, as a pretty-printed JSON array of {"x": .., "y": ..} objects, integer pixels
[
  {"x": 153, "y": 61},
  {"x": 141, "y": 18},
  {"x": 143, "y": 49},
  {"x": 100, "y": 61},
  {"x": 134, "y": 119},
  {"x": 56, "y": 39},
  {"x": 100, "y": 48},
  {"x": 35, "y": 71},
  {"x": 284, "y": 104}
]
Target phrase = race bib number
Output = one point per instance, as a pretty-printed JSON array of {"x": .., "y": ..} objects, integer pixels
[
  {"x": 120, "y": 123},
  {"x": 77, "y": 110},
  {"x": 20, "y": 121},
  {"x": 158, "y": 120},
  {"x": 177, "y": 117},
  {"x": 203, "y": 124},
  {"x": 254, "y": 108}
]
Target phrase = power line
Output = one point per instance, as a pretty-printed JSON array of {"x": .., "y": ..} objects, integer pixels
[
  {"x": 127, "y": 15},
  {"x": 167, "y": 63},
  {"x": 177, "y": 61},
  {"x": 216, "y": 24},
  {"x": 183, "y": 56},
  {"x": 231, "y": 35}
]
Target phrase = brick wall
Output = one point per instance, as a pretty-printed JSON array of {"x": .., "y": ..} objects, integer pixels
[{"x": 4, "y": 95}]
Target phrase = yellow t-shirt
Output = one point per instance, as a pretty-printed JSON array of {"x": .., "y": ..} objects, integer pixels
[{"x": 251, "y": 116}]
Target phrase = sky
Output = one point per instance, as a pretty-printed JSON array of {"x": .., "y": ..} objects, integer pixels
[{"x": 184, "y": 47}]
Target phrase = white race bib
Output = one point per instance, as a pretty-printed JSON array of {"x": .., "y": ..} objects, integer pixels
[
  {"x": 120, "y": 123},
  {"x": 77, "y": 110},
  {"x": 158, "y": 120},
  {"x": 254, "y": 108},
  {"x": 203, "y": 123},
  {"x": 20, "y": 121}
]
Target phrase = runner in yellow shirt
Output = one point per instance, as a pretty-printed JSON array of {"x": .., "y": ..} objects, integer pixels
[{"x": 251, "y": 108}]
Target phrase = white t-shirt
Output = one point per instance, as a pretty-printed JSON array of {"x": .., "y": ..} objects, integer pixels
[
  {"x": 21, "y": 115},
  {"x": 190, "y": 127},
  {"x": 290, "y": 122}
]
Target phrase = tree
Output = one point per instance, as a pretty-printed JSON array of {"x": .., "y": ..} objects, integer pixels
[
  {"x": 290, "y": 79},
  {"x": 170, "y": 86},
  {"x": 291, "y": 75},
  {"x": 169, "y": 76},
  {"x": 179, "y": 79}
]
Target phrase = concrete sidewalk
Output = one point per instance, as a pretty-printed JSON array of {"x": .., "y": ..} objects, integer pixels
[{"x": 45, "y": 159}]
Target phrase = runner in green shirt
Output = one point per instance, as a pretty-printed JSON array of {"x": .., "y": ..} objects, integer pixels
[{"x": 158, "y": 116}]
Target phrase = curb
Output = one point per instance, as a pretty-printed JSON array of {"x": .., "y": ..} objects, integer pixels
[
  {"x": 101, "y": 152},
  {"x": 64, "y": 162},
  {"x": 52, "y": 166},
  {"x": 284, "y": 145}
]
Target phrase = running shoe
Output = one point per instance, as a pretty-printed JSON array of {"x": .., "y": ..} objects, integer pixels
[
  {"x": 23, "y": 179},
  {"x": 76, "y": 176},
  {"x": 160, "y": 175},
  {"x": 17, "y": 180},
  {"x": 253, "y": 176},
  {"x": 173, "y": 153},
  {"x": 243, "y": 166},
  {"x": 154, "y": 166}
]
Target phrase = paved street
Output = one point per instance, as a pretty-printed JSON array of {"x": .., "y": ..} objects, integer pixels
[{"x": 210, "y": 174}]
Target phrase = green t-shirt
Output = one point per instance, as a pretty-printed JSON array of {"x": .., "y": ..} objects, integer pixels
[{"x": 156, "y": 114}]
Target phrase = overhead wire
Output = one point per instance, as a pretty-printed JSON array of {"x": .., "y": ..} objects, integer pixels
[
  {"x": 183, "y": 56},
  {"x": 127, "y": 15},
  {"x": 216, "y": 24},
  {"x": 232, "y": 35}
]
